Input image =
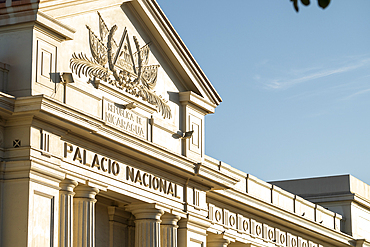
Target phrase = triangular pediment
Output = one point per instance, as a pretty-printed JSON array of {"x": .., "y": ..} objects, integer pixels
[{"x": 164, "y": 57}]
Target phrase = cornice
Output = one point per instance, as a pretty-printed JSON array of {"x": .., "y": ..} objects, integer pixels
[
  {"x": 6, "y": 103},
  {"x": 281, "y": 216},
  {"x": 174, "y": 44},
  {"x": 202, "y": 170},
  {"x": 54, "y": 25},
  {"x": 30, "y": 13},
  {"x": 193, "y": 98},
  {"x": 93, "y": 128},
  {"x": 349, "y": 197},
  {"x": 94, "y": 5}
]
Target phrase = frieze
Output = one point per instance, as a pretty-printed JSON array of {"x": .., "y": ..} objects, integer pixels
[
  {"x": 102, "y": 164},
  {"x": 151, "y": 182},
  {"x": 117, "y": 65},
  {"x": 255, "y": 229}
]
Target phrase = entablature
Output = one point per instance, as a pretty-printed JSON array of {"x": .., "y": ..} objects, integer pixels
[
  {"x": 79, "y": 126},
  {"x": 243, "y": 216}
]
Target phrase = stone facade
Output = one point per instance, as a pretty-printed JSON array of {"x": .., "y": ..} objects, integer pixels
[{"x": 102, "y": 141}]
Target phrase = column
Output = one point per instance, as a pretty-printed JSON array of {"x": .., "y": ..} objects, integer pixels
[
  {"x": 147, "y": 224},
  {"x": 84, "y": 216},
  {"x": 66, "y": 212},
  {"x": 169, "y": 230}
]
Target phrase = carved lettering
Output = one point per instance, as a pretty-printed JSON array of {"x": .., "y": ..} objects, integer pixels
[
  {"x": 138, "y": 178},
  {"x": 95, "y": 162},
  {"x": 170, "y": 189},
  {"x": 77, "y": 155},
  {"x": 125, "y": 119},
  {"x": 109, "y": 166},
  {"x": 130, "y": 174},
  {"x": 162, "y": 185},
  {"x": 144, "y": 180},
  {"x": 102, "y": 164},
  {"x": 155, "y": 183},
  {"x": 84, "y": 157},
  {"x": 80, "y": 156},
  {"x": 106, "y": 165},
  {"x": 68, "y": 148},
  {"x": 151, "y": 182},
  {"x": 115, "y": 168}
]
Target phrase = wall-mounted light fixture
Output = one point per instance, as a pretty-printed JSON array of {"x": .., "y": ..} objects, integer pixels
[
  {"x": 188, "y": 134},
  {"x": 129, "y": 106},
  {"x": 184, "y": 135},
  {"x": 66, "y": 77}
]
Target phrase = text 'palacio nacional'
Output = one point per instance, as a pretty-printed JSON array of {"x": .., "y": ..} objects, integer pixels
[{"x": 102, "y": 110}]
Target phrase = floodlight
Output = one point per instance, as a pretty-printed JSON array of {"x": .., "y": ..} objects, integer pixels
[
  {"x": 66, "y": 77},
  {"x": 187, "y": 134},
  {"x": 183, "y": 135},
  {"x": 129, "y": 106}
]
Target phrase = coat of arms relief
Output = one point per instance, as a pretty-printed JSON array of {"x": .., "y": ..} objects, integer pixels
[{"x": 116, "y": 64}]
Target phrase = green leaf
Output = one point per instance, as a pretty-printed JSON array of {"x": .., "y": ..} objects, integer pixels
[
  {"x": 305, "y": 2},
  {"x": 323, "y": 3},
  {"x": 295, "y": 4}
]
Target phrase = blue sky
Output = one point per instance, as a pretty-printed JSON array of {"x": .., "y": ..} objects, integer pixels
[{"x": 295, "y": 86}]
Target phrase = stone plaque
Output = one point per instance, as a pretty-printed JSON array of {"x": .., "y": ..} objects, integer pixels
[{"x": 125, "y": 120}]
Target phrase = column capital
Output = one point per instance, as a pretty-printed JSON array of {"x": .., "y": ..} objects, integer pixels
[
  {"x": 169, "y": 230},
  {"x": 84, "y": 216},
  {"x": 170, "y": 219},
  {"x": 145, "y": 211},
  {"x": 147, "y": 224},
  {"x": 84, "y": 191},
  {"x": 195, "y": 220},
  {"x": 68, "y": 185}
]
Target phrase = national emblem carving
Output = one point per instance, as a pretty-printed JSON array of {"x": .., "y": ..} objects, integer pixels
[{"x": 117, "y": 65}]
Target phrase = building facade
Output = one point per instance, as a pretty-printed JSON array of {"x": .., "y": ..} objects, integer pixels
[{"x": 102, "y": 112}]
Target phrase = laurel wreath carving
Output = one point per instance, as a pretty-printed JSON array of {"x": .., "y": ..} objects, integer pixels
[{"x": 79, "y": 63}]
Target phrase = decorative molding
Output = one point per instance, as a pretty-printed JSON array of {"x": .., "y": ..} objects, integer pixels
[
  {"x": 229, "y": 220},
  {"x": 56, "y": 26},
  {"x": 58, "y": 114},
  {"x": 118, "y": 66},
  {"x": 281, "y": 216},
  {"x": 193, "y": 98}
]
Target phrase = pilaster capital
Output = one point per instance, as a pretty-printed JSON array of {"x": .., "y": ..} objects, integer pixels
[
  {"x": 194, "y": 221},
  {"x": 68, "y": 185},
  {"x": 84, "y": 191},
  {"x": 218, "y": 241},
  {"x": 145, "y": 211}
]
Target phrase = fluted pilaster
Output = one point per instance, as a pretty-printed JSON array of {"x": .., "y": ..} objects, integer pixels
[
  {"x": 66, "y": 212},
  {"x": 84, "y": 216},
  {"x": 131, "y": 232},
  {"x": 169, "y": 230}
]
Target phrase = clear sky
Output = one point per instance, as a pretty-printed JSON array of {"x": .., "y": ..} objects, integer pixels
[{"x": 295, "y": 86}]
